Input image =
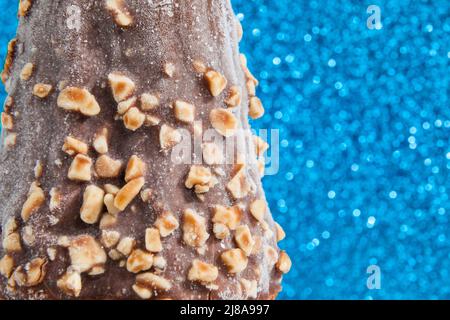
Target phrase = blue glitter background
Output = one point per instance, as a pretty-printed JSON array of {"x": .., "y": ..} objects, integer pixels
[{"x": 364, "y": 122}]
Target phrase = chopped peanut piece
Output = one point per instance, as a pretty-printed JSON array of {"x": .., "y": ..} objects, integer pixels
[
  {"x": 70, "y": 283},
  {"x": 258, "y": 209},
  {"x": 271, "y": 255},
  {"x": 203, "y": 272},
  {"x": 234, "y": 97},
  {"x": 128, "y": 193},
  {"x": 230, "y": 217},
  {"x": 126, "y": 105},
  {"x": 110, "y": 238},
  {"x": 139, "y": 261},
  {"x": 153, "y": 281},
  {"x": 133, "y": 119},
  {"x": 119, "y": 12},
  {"x": 151, "y": 121},
  {"x": 11, "y": 239},
  {"x": 107, "y": 221},
  {"x": 74, "y": 146},
  {"x": 280, "y": 232},
  {"x": 244, "y": 240},
  {"x": 6, "y": 266},
  {"x": 9, "y": 60},
  {"x": 38, "y": 169},
  {"x": 216, "y": 82},
  {"x": 251, "y": 88},
  {"x": 110, "y": 188},
  {"x": 107, "y": 167},
  {"x": 24, "y": 7},
  {"x": 247, "y": 72},
  {"x": 28, "y": 235},
  {"x": 166, "y": 224},
  {"x": 235, "y": 260},
  {"x": 78, "y": 99},
  {"x": 212, "y": 154},
  {"x": 35, "y": 271},
  {"x": 80, "y": 169},
  {"x": 250, "y": 288},
  {"x": 42, "y": 90},
  {"x": 86, "y": 253},
  {"x": 149, "y": 102},
  {"x": 100, "y": 141},
  {"x": 169, "y": 69},
  {"x": 198, "y": 177},
  {"x": 126, "y": 245},
  {"x": 168, "y": 137},
  {"x": 194, "y": 229},
  {"x": 184, "y": 112},
  {"x": 7, "y": 121},
  {"x": 221, "y": 231},
  {"x": 36, "y": 198},
  {"x": 199, "y": 66},
  {"x": 92, "y": 204},
  {"x": 122, "y": 87},
  {"x": 223, "y": 121},
  {"x": 108, "y": 200},
  {"x": 256, "y": 109},
  {"x": 159, "y": 262},
  {"x": 261, "y": 146},
  {"x": 135, "y": 168},
  {"x": 143, "y": 293},
  {"x": 55, "y": 199},
  {"x": 284, "y": 262},
  {"x": 238, "y": 186},
  {"x": 26, "y": 72},
  {"x": 153, "y": 240}
]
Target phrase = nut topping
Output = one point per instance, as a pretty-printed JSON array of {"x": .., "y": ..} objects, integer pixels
[
  {"x": 6, "y": 266},
  {"x": 230, "y": 217},
  {"x": 221, "y": 231},
  {"x": 256, "y": 109},
  {"x": 11, "y": 238},
  {"x": 151, "y": 280},
  {"x": 238, "y": 186},
  {"x": 199, "y": 66},
  {"x": 133, "y": 119},
  {"x": 70, "y": 283},
  {"x": 135, "y": 168},
  {"x": 80, "y": 169},
  {"x": 184, "y": 112},
  {"x": 212, "y": 154},
  {"x": 110, "y": 238},
  {"x": 42, "y": 90},
  {"x": 250, "y": 288},
  {"x": 203, "y": 272},
  {"x": 7, "y": 121},
  {"x": 244, "y": 239},
  {"x": 126, "y": 245},
  {"x": 119, "y": 12},
  {"x": 107, "y": 167},
  {"x": 271, "y": 255},
  {"x": 86, "y": 253},
  {"x": 122, "y": 87},
  {"x": 27, "y": 71},
  {"x": 108, "y": 200},
  {"x": 143, "y": 293},
  {"x": 73, "y": 146},
  {"x": 261, "y": 146},
  {"x": 110, "y": 188},
  {"x": 55, "y": 199},
  {"x": 125, "y": 105},
  {"x": 284, "y": 262},
  {"x": 24, "y": 6},
  {"x": 280, "y": 232},
  {"x": 153, "y": 240},
  {"x": 258, "y": 209},
  {"x": 35, "y": 271},
  {"x": 168, "y": 137},
  {"x": 235, "y": 260},
  {"x": 223, "y": 121},
  {"x": 128, "y": 193},
  {"x": 169, "y": 69},
  {"x": 216, "y": 82},
  {"x": 92, "y": 204},
  {"x": 78, "y": 99},
  {"x": 167, "y": 223},
  {"x": 107, "y": 221},
  {"x": 139, "y": 261},
  {"x": 194, "y": 229},
  {"x": 234, "y": 97},
  {"x": 36, "y": 198},
  {"x": 100, "y": 141},
  {"x": 199, "y": 177},
  {"x": 149, "y": 102}
]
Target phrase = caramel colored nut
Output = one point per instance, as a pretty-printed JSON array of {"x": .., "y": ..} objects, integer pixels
[
  {"x": 247, "y": 72},
  {"x": 167, "y": 223},
  {"x": 35, "y": 199},
  {"x": 108, "y": 200},
  {"x": 55, "y": 199},
  {"x": 149, "y": 102},
  {"x": 9, "y": 60},
  {"x": 80, "y": 169},
  {"x": 251, "y": 88},
  {"x": 92, "y": 204},
  {"x": 11, "y": 238},
  {"x": 159, "y": 262},
  {"x": 26, "y": 72},
  {"x": 271, "y": 255},
  {"x": 28, "y": 236},
  {"x": 133, "y": 119},
  {"x": 199, "y": 66},
  {"x": 261, "y": 146},
  {"x": 212, "y": 154},
  {"x": 119, "y": 12},
  {"x": 142, "y": 292},
  {"x": 151, "y": 280},
  {"x": 153, "y": 240},
  {"x": 235, "y": 260},
  {"x": 126, "y": 105},
  {"x": 139, "y": 261},
  {"x": 35, "y": 271},
  {"x": 284, "y": 262},
  {"x": 6, "y": 266},
  {"x": 250, "y": 288},
  {"x": 38, "y": 168},
  {"x": 221, "y": 231},
  {"x": 280, "y": 232},
  {"x": 238, "y": 186},
  {"x": 7, "y": 121},
  {"x": 106, "y": 167},
  {"x": 24, "y": 7},
  {"x": 258, "y": 209},
  {"x": 73, "y": 146},
  {"x": 202, "y": 272},
  {"x": 216, "y": 82},
  {"x": 128, "y": 193},
  {"x": 244, "y": 239},
  {"x": 169, "y": 69},
  {"x": 234, "y": 97},
  {"x": 70, "y": 283},
  {"x": 135, "y": 168},
  {"x": 223, "y": 121},
  {"x": 107, "y": 221},
  {"x": 86, "y": 253},
  {"x": 230, "y": 217},
  {"x": 110, "y": 188},
  {"x": 198, "y": 175},
  {"x": 110, "y": 238},
  {"x": 126, "y": 245},
  {"x": 122, "y": 87},
  {"x": 100, "y": 141},
  {"x": 184, "y": 112},
  {"x": 151, "y": 121},
  {"x": 42, "y": 90},
  {"x": 194, "y": 229},
  {"x": 168, "y": 137},
  {"x": 78, "y": 99},
  {"x": 256, "y": 109}
]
